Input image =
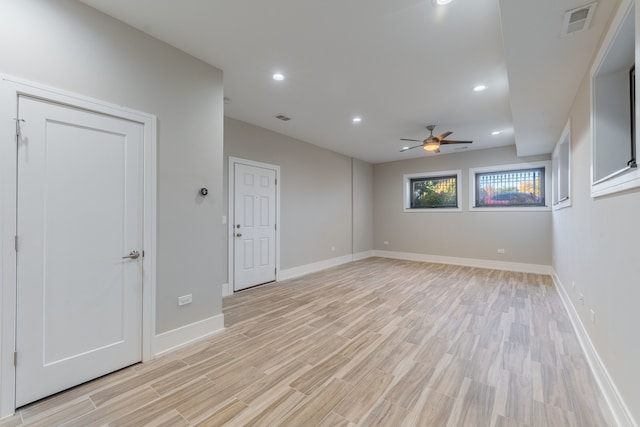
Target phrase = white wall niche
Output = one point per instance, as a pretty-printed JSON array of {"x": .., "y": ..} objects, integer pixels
[
  {"x": 561, "y": 170},
  {"x": 611, "y": 121}
]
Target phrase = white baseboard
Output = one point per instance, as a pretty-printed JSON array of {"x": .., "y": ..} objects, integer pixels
[
  {"x": 468, "y": 262},
  {"x": 609, "y": 390},
  {"x": 176, "y": 338},
  {"x": 294, "y": 272},
  {"x": 362, "y": 255},
  {"x": 291, "y": 273}
]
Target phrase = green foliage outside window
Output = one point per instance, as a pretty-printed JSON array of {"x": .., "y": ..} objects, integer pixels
[{"x": 437, "y": 192}]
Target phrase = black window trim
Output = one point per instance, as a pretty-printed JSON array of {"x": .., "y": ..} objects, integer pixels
[
  {"x": 413, "y": 177},
  {"x": 544, "y": 165},
  {"x": 433, "y": 178}
]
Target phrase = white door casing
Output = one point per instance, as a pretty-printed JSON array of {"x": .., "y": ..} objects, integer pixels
[
  {"x": 10, "y": 89},
  {"x": 79, "y": 302},
  {"x": 254, "y": 223}
]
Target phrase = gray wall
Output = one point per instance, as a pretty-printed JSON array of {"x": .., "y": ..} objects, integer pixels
[
  {"x": 595, "y": 246},
  {"x": 316, "y": 209},
  {"x": 525, "y": 236},
  {"x": 70, "y": 46},
  {"x": 362, "y": 207}
]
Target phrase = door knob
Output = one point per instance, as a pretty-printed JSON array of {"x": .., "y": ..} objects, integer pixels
[
  {"x": 132, "y": 255},
  {"x": 238, "y": 234}
]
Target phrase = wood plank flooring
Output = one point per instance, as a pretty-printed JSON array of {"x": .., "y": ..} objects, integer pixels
[{"x": 376, "y": 342}]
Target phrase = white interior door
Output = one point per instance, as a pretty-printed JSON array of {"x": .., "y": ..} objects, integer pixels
[
  {"x": 254, "y": 226},
  {"x": 79, "y": 302}
]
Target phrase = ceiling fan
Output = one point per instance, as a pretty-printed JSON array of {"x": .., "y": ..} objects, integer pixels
[{"x": 433, "y": 143}]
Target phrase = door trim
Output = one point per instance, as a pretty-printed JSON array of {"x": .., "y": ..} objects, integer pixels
[
  {"x": 231, "y": 207},
  {"x": 10, "y": 88}
]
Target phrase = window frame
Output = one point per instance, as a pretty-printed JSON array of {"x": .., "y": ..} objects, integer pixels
[
  {"x": 509, "y": 168},
  {"x": 561, "y": 175},
  {"x": 618, "y": 42},
  {"x": 406, "y": 181}
]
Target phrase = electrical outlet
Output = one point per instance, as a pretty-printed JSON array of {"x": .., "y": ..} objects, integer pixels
[
  {"x": 333, "y": 248},
  {"x": 593, "y": 316},
  {"x": 185, "y": 299},
  {"x": 573, "y": 285},
  {"x": 581, "y": 298},
  {"x": 500, "y": 251},
  {"x": 386, "y": 242}
]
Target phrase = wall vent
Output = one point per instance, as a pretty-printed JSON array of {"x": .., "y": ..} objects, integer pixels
[
  {"x": 283, "y": 117},
  {"x": 578, "y": 19}
]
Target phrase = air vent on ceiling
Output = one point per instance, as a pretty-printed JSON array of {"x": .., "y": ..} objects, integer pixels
[
  {"x": 283, "y": 117},
  {"x": 578, "y": 19}
]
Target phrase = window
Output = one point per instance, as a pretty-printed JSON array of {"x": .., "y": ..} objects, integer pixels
[
  {"x": 561, "y": 164},
  {"x": 517, "y": 187},
  {"x": 510, "y": 188},
  {"x": 613, "y": 112},
  {"x": 432, "y": 191}
]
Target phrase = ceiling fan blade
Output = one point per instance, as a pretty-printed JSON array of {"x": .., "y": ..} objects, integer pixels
[
  {"x": 412, "y": 140},
  {"x": 443, "y": 136},
  {"x": 409, "y": 148},
  {"x": 455, "y": 142}
]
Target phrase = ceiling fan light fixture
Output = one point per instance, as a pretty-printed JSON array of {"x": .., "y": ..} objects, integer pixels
[
  {"x": 432, "y": 143},
  {"x": 431, "y": 146}
]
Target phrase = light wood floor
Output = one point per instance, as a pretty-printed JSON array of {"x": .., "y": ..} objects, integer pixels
[{"x": 375, "y": 342}]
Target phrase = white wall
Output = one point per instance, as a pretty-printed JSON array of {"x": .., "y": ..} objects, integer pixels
[
  {"x": 595, "y": 246},
  {"x": 70, "y": 46},
  {"x": 525, "y": 236},
  {"x": 317, "y": 211}
]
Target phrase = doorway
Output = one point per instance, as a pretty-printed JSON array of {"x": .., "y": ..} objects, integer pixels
[
  {"x": 79, "y": 297},
  {"x": 254, "y": 217},
  {"x": 83, "y": 175}
]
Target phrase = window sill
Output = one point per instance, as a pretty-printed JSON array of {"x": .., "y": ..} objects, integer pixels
[
  {"x": 511, "y": 209},
  {"x": 562, "y": 205},
  {"x": 616, "y": 184},
  {"x": 432, "y": 210}
]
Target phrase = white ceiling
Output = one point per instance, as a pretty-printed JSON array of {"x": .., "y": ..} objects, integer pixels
[{"x": 398, "y": 64}]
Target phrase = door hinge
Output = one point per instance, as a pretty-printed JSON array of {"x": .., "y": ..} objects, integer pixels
[
  {"x": 15, "y": 358},
  {"x": 142, "y": 254},
  {"x": 276, "y": 181},
  {"x": 275, "y": 226},
  {"x": 15, "y": 243},
  {"x": 18, "y": 127}
]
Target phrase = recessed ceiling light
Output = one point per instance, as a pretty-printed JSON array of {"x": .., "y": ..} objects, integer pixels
[
  {"x": 442, "y": 2},
  {"x": 496, "y": 132},
  {"x": 357, "y": 119},
  {"x": 479, "y": 88},
  {"x": 278, "y": 76}
]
